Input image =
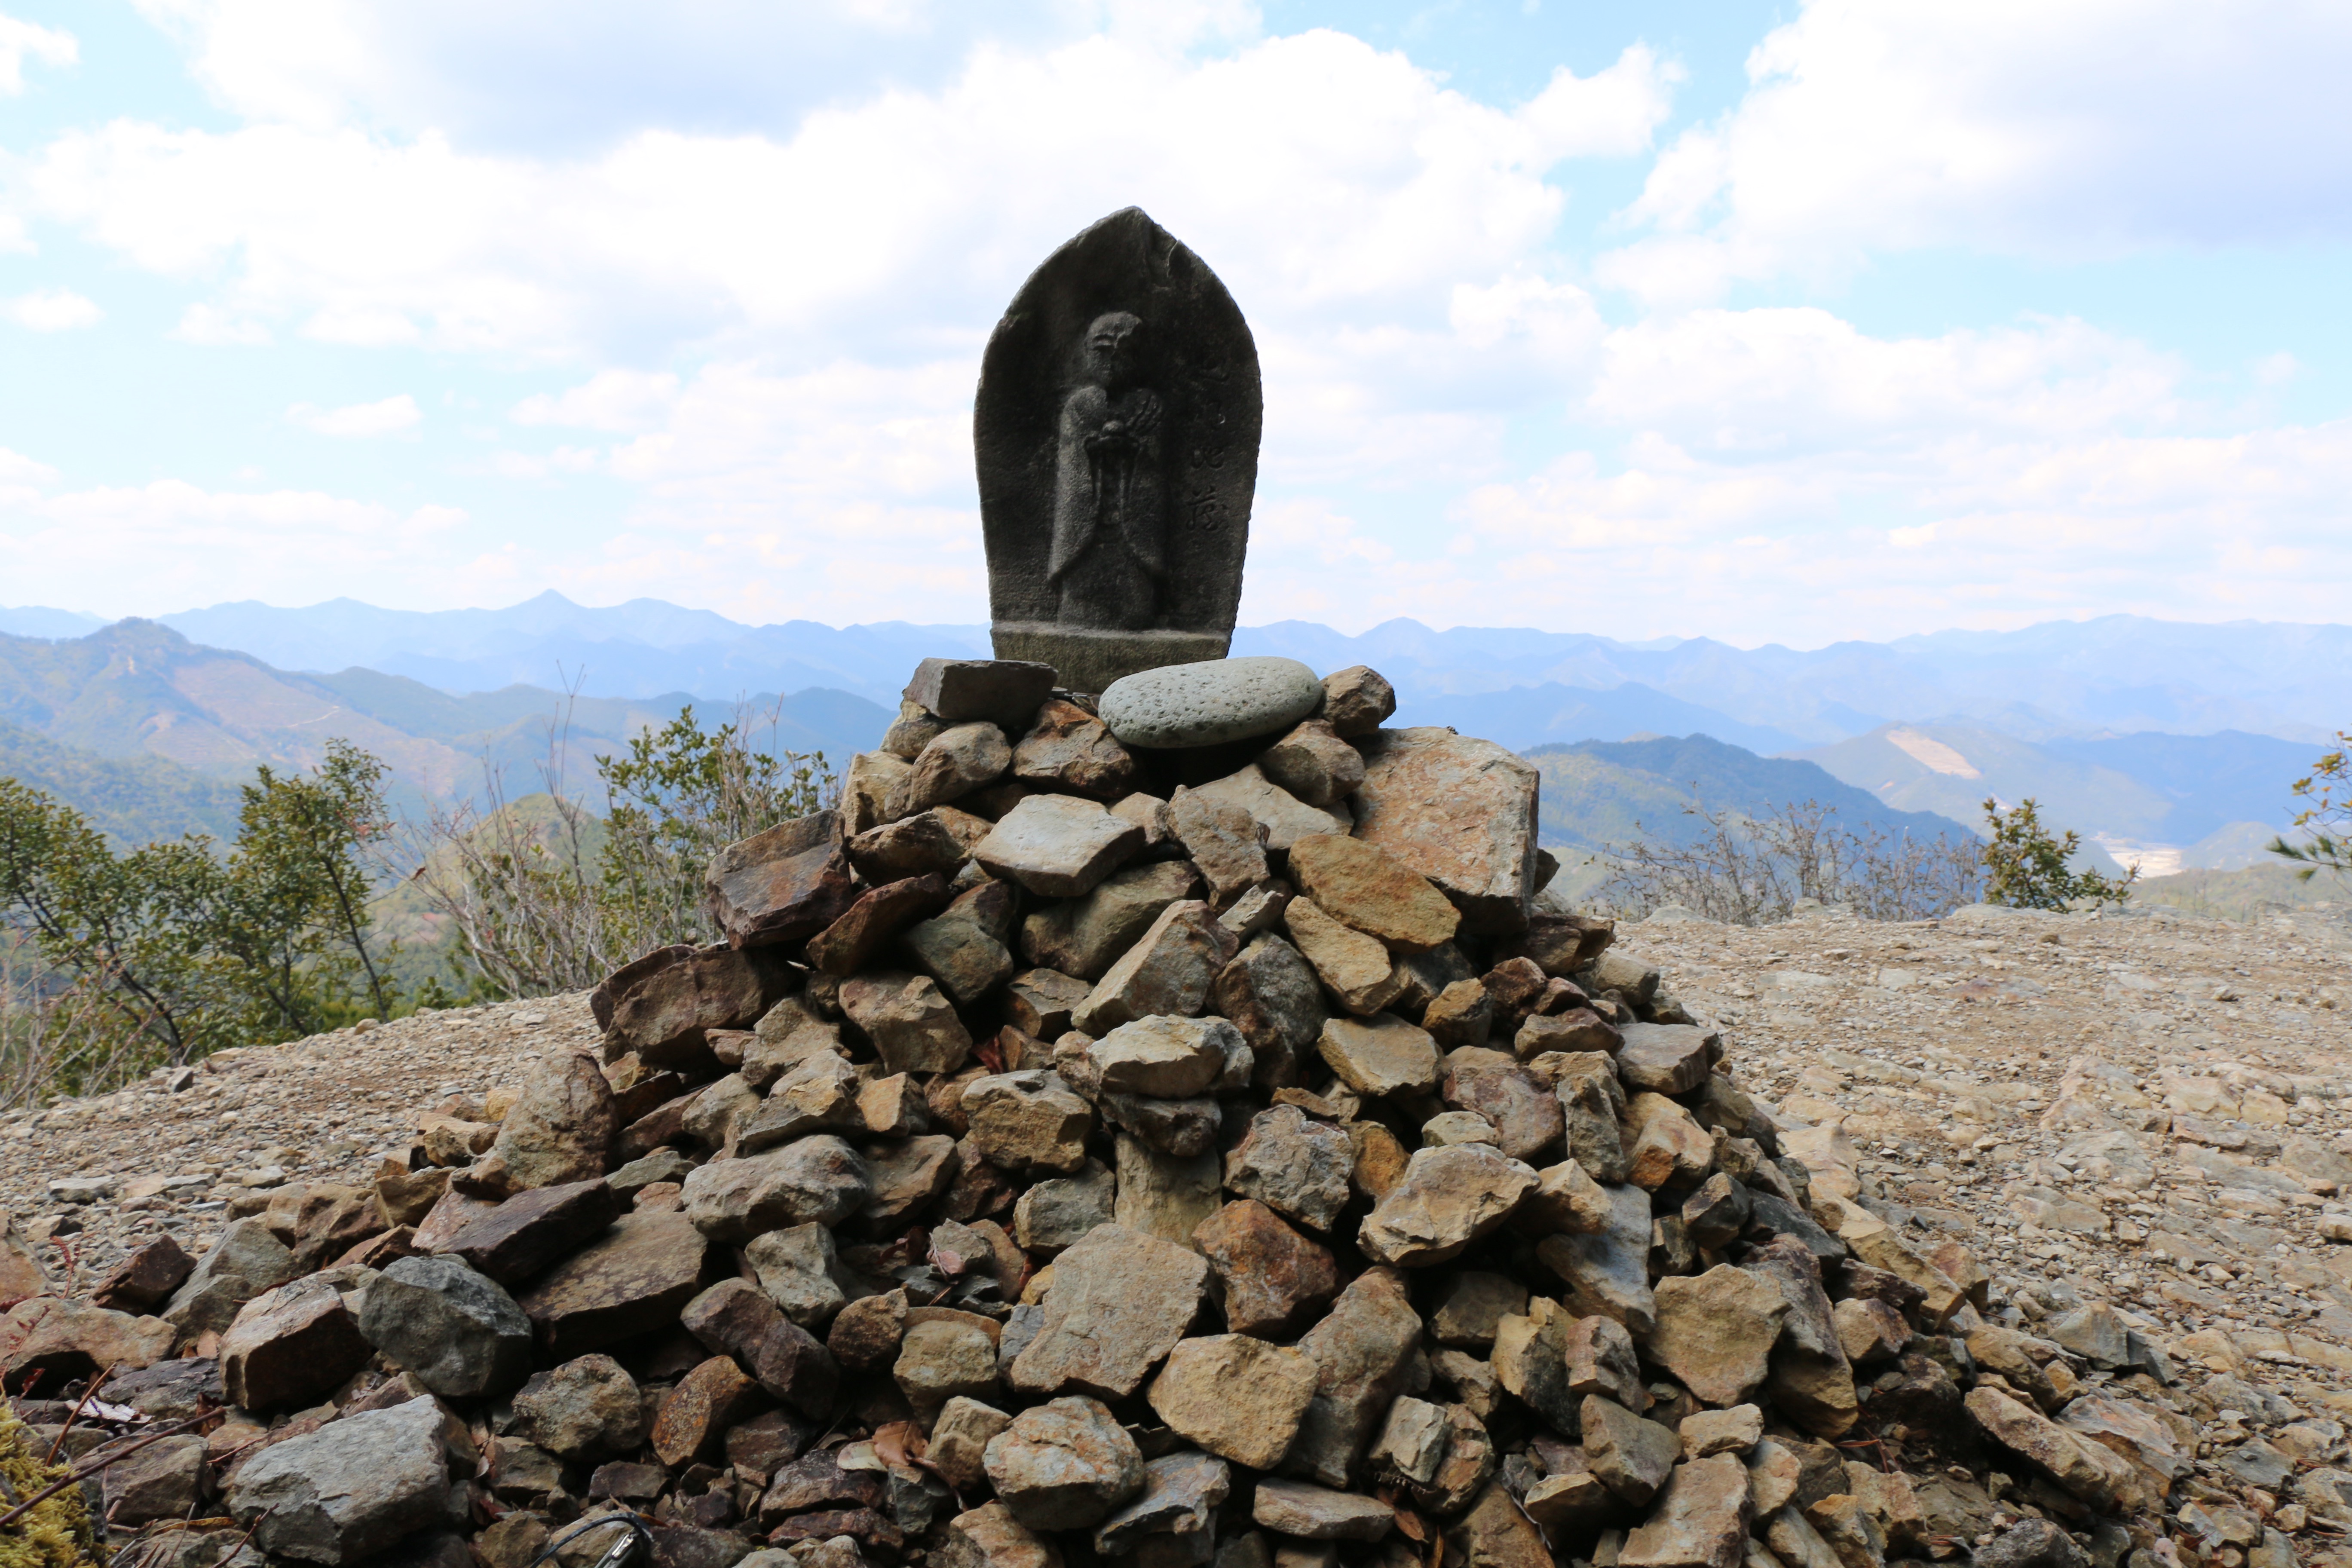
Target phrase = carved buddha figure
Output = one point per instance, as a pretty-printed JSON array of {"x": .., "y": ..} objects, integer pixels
[{"x": 1110, "y": 557}]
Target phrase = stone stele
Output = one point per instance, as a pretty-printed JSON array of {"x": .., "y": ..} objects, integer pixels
[{"x": 1116, "y": 430}]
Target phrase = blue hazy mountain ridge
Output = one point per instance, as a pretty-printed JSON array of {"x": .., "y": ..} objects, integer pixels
[
  {"x": 644, "y": 649},
  {"x": 2114, "y": 675},
  {"x": 1524, "y": 717},
  {"x": 2155, "y": 788},
  {"x": 2214, "y": 782},
  {"x": 1599, "y": 793},
  {"x": 139, "y": 690}
]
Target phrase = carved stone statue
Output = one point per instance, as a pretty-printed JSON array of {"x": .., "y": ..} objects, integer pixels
[{"x": 1116, "y": 431}]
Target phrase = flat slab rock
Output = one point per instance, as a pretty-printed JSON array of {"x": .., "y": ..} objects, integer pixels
[
  {"x": 1460, "y": 810},
  {"x": 1119, "y": 1301},
  {"x": 1209, "y": 703}
]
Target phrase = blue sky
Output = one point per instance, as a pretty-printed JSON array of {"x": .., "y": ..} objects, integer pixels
[{"x": 1780, "y": 322}]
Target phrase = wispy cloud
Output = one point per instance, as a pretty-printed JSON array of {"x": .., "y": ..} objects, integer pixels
[
  {"x": 52, "y": 311},
  {"x": 387, "y": 417}
]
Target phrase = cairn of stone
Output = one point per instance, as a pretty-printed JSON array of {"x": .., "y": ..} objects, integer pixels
[{"x": 1170, "y": 1130}]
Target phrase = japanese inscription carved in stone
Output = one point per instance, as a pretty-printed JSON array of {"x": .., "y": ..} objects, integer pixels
[{"x": 1116, "y": 430}]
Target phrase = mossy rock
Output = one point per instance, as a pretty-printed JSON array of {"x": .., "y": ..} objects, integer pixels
[{"x": 56, "y": 1534}]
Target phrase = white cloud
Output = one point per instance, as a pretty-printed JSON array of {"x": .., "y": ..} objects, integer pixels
[
  {"x": 2058, "y": 131},
  {"x": 386, "y": 417},
  {"x": 149, "y": 549},
  {"x": 51, "y": 311},
  {"x": 1796, "y": 379},
  {"x": 21, "y": 41},
  {"x": 1328, "y": 182}
]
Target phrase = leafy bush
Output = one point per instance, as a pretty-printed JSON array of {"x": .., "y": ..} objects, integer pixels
[
  {"x": 545, "y": 896},
  {"x": 1746, "y": 871},
  {"x": 2328, "y": 788},
  {"x": 116, "y": 963},
  {"x": 2026, "y": 868}
]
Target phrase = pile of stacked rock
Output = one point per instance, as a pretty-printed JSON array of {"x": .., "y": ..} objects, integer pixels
[{"x": 1172, "y": 1128}]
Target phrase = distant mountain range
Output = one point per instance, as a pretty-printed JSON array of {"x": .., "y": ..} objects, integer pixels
[
  {"x": 2135, "y": 732},
  {"x": 136, "y": 692},
  {"x": 2117, "y": 675}
]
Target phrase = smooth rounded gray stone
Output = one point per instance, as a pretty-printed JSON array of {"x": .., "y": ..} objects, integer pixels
[{"x": 1211, "y": 702}]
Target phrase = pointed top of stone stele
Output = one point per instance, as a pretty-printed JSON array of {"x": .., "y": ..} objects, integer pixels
[{"x": 1116, "y": 432}]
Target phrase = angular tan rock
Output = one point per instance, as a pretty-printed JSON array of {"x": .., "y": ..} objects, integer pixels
[
  {"x": 819, "y": 1180},
  {"x": 561, "y": 1128},
  {"x": 695, "y": 1416},
  {"x": 867, "y": 783},
  {"x": 1038, "y": 1001},
  {"x": 632, "y": 1279},
  {"x": 913, "y": 1026},
  {"x": 1238, "y": 1397},
  {"x": 1282, "y": 819},
  {"x": 960, "y": 1440},
  {"x": 1028, "y": 1120},
  {"x": 954, "y": 762},
  {"x": 1357, "y": 700},
  {"x": 1524, "y": 1109},
  {"x": 1084, "y": 937},
  {"x": 1472, "y": 1304},
  {"x": 1293, "y": 1163},
  {"x": 1632, "y": 1457},
  {"x": 1607, "y": 1272},
  {"x": 1530, "y": 1360},
  {"x": 990, "y": 1537},
  {"x": 942, "y": 1359},
  {"x": 1055, "y": 1215},
  {"x": 1496, "y": 1533},
  {"x": 1273, "y": 1280},
  {"x": 1167, "y": 972},
  {"x": 1378, "y": 1056},
  {"x": 1811, "y": 1382},
  {"x": 1063, "y": 1465},
  {"x": 1701, "y": 1522},
  {"x": 1272, "y": 995},
  {"x": 879, "y": 914},
  {"x": 1664, "y": 1059},
  {"x": 1668, "y": 1148},
  {"x": 1119, "y": 1300},
  {"x": 1319, "y": 1513},
  {"x": 291, "y": 1346},
  {"x": 1068, "y": 749},
  {"x": 1448, "y": 1199},
  {"x": 1716, "y": 1333},
  {"x": 1222, "y": 839},
  {"x": 782, "y": 885},
  {"x": 1058, "y": 845},
  {"x": 1870, "y": 1331},
  {"x": 940, "y": 839},
  {"x": 1361, "y": 1349},
  {"x": 1165, "y": 1057},
  {"x": 1461, "y": 811},
  {"x": 1355, "y": 968},
  {"x": 1364, "y": 887},
  {"x": 2085, "y": 1469},
  {"x": 1166, "y": 1196},
  {"x": 1600, "y": 1360},
  {"x": 1314, "y": 763}
]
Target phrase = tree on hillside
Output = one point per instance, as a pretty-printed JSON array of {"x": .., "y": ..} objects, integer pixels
[
  {"x": 1754, "y": 870},
  {"x": 546, "y": 896},
  {"x": 2027, "y": 868},
  {"x": 171, "y": 951},
  {"x": 115, "y": 928},
  {"x": 2328, "y": 817}
]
